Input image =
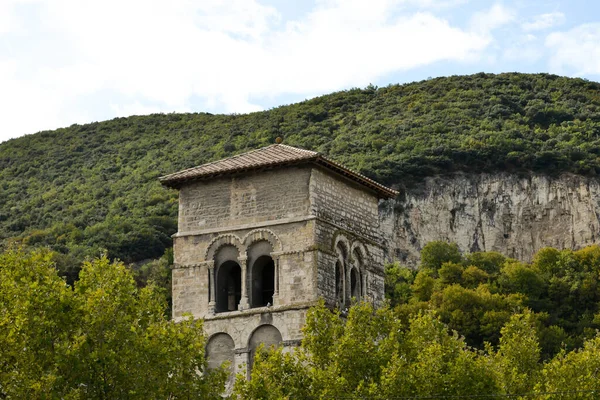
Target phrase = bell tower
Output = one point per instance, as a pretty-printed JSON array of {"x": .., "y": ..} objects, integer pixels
[{"x": 264, "y": 235}]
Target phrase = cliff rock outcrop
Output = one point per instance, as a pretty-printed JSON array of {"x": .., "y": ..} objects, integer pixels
[{"x": 510, "y": 214}]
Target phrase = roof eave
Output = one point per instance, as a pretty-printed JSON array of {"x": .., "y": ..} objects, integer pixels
[
  {"x": 176, "y": 182},
  {"x": 381, "y": 190}
]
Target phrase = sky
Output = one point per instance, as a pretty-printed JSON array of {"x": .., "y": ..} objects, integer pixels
[{"x": 76, "y": 61}]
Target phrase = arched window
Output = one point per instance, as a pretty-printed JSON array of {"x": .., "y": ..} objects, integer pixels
[
  {"x": 229, "y": 286},
  {"x": 261, "y": 273},
  {"x": 263, "y": 281},
  {"x": 355, "y": 283},
  {"x": 341, "y": 289}
]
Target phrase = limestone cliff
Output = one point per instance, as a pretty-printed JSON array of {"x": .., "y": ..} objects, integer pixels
[{"x": 513, "y": 215}]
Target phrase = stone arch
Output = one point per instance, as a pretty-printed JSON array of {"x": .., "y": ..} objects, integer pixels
[
  {"x": 261, "y": 267},
  {"x": 228, "y": 278},
  {"x": 341, "y": 247},
  {"x": 341, "y": 241},
  {"x": 228, "y": 286},
  {"x": 267, "y": 335},
  {"x": 220, "y": 241},
  {"x": 360, "y": 249},
  {"x": 359, "y": 262},
  {"x": 219, "y": 349},
  {"x": 257, "y": 235}
]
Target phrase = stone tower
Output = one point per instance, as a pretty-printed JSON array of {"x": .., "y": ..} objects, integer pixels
[{"x": 262, "y": 236}]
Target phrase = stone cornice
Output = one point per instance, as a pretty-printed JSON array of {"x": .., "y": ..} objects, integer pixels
[
  {"x": 259, "y": 310},
  {"x": 283, "y": 221}
]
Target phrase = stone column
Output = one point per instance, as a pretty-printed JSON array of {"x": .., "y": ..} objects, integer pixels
[
  {"x": 276, "y": 280},
  {"x": 244, "y": 304},
  {"x": 348, "y": 281},
  {"x": 211, "y": 281}
]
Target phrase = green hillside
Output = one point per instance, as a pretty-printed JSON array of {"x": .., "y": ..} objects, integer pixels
[{"x": 91, "y": 188}]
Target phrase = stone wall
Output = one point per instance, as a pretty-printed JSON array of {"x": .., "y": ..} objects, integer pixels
[
  {"x": 249, "y": 199},
  {"x": 242, "y": 331},
  {"x": 297, "y": 264},
  {"x": 345, "y": 204},
  {"x": 513, "y": 215},
  {"x": 349, "y": 213}
]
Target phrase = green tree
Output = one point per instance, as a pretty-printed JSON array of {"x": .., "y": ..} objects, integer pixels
[
  {"x": 473, "y": 277},
  {"x": 518, "y": 356},
  {"x": 423, "y": 285},
  {"x": 435, "y": 254},
  {"x": 35, "y": 322},
  {"x": 371, "y": 354},
  {"x": 104, "y": 339},
  {"x": 488, "y": 261},
  {"x": 576, "y": 375},
  {"x": 451, "y": 273},
  {"x": 398, "y": 281}
]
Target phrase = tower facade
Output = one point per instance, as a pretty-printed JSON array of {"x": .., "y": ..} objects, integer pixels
[{"x": 264, "y": 235}]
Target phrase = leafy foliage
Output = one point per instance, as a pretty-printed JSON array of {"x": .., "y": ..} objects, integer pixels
[
  {"x": 102, "y": 339},
  {"x": 372, "y": 354},
  {"x": 476, "y": 294},
  {"x": 92, "y": 189}
]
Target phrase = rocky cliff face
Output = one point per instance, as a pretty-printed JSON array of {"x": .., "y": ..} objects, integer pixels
[{"x": 513, "y": 215}]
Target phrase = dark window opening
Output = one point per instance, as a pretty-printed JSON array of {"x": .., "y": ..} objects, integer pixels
[
  {"x": 229, "y": 286},
  {"x": 263, "y": 281},
  {"x": 355, "y": 283}
]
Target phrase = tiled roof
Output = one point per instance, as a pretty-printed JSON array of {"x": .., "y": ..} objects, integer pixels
[{"x": 266, "y": 157}]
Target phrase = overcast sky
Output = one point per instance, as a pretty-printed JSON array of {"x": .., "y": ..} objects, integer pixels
[{"x": 76, "y": 61}]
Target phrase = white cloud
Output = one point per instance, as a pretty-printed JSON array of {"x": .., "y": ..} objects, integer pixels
[
  {"x": 484, "y": 22},
  {"x": 8, "y": 20},
  {"x": 544, "y": 21},
  {"x": 152, "y": 55},
  {"x": 577, "y": 51},
  {"x": 526, "y": 48}
]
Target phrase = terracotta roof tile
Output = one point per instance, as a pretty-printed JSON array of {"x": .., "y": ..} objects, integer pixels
[{"x": 273, "y": 155}]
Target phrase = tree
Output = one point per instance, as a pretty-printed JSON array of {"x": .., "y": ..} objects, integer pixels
[
  {"x": 371, "y": 354},
  {"x": 576, "y": 374},
  {"x": 450, "y": 273},
  {"x": 103, "y": 339},
  {"x": 435, "y": 254},
  {"x": 488, "y": 261},
  {"x": 398, "y": 281},
  {"x": 35, "y": 317},
  {"x": 518, "y": 356}
]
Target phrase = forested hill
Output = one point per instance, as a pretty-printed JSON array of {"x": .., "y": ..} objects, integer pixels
[{"x": 91, "y": 187}]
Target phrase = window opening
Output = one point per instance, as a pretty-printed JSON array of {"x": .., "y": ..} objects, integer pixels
[
  {"x": 263, "y": 281},
  {"x": 229, "y": 286}
]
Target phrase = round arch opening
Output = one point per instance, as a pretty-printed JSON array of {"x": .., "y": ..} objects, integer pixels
[
  {"x": 263, "y": 281},
  {"x": 228, "y": 286},
  {"x": 355, "y": 283}
]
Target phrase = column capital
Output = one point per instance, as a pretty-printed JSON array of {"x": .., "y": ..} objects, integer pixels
[{"x": 210, "y": 264}]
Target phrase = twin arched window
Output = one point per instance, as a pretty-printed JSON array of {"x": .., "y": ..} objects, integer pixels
[
  {"x": 243, "y": 282},
  {"x": 349, "y": 273}
]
